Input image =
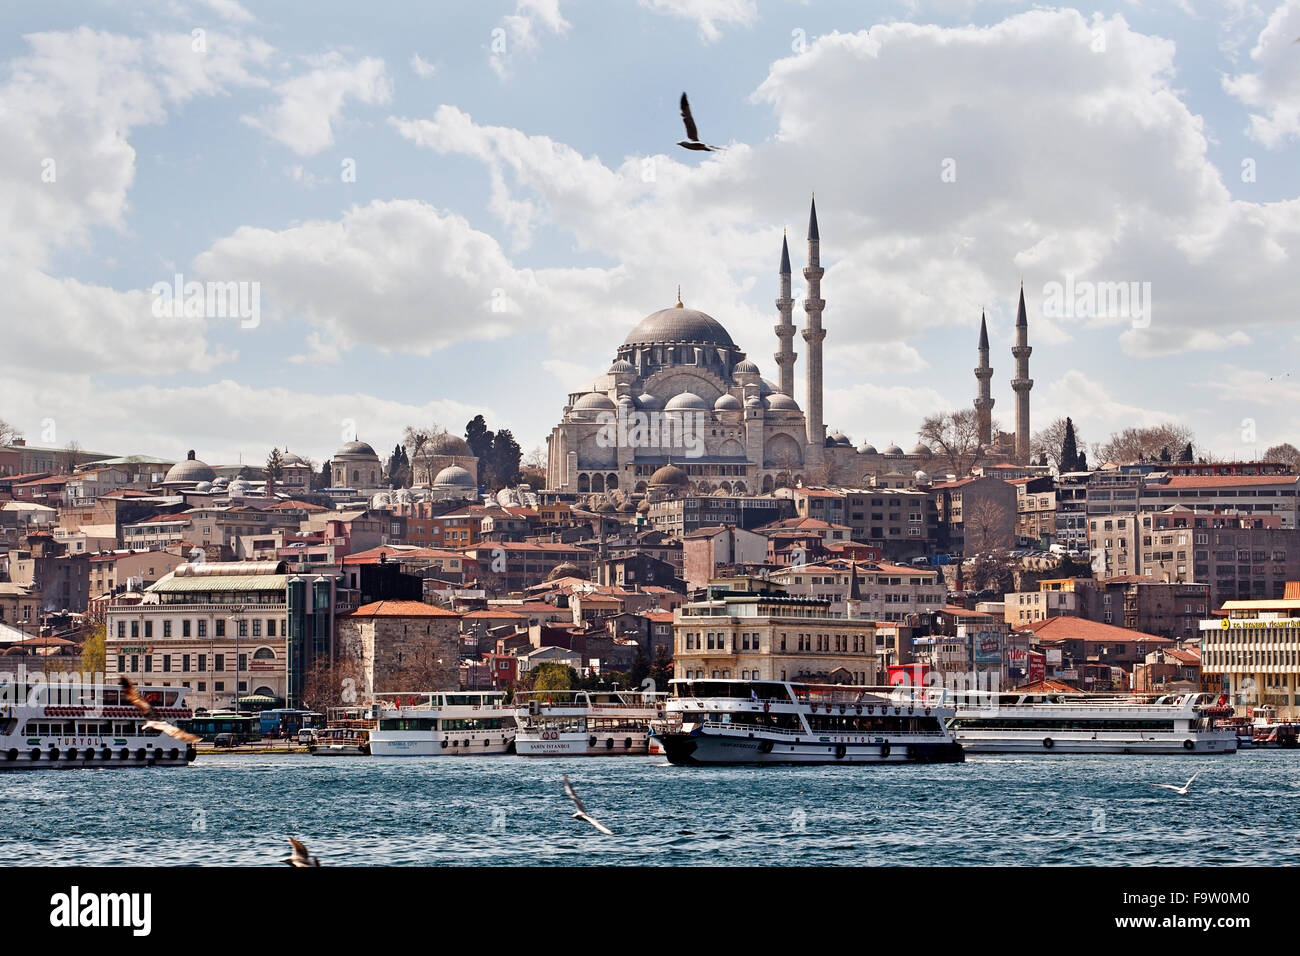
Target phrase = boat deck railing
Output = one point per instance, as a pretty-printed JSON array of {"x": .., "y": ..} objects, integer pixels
[{"x": 815, "y": 735}]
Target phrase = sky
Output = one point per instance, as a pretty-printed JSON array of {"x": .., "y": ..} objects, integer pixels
[{"x": 451, "y": 209}]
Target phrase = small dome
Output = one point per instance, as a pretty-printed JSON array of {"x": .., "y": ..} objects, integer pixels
[
  {"x": 626, "y": 507},
  {"x": 594, "y": 402},
  {"x": 746, "y": 368},
  {"x": 203, "y": 486},
  {"x": 649, "y": 402},
  {"x": 239, "y": 486},
  {"x": 893, "y": 450},
  {"x": 289, "y": 458},
  {"x": 354, "y": 448},
  {"x": 753, "y": 402},
  {"x": 686, "y": 401},
  {"x": 191, "y": 469},
  {"x": 781, "y": 402},
  {"x": 622, "y": 367},
  {"x": 644, "y": 506},
  {"x": 921, "y": 449},
  {"x": 921, "y": 477},
  {"x": 839, "y": 438},
  {"x": 668, "y": 475},
  {"x": 727, "y": 403},
  {"x": 565, "y": 570},
  {"x": 455, "y": 476},
  {"x": 448, "y": 445},
  {"x": 868, "y": 449}
]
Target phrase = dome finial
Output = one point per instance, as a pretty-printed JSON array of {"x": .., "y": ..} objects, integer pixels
[{"x": 679, "y": 296}]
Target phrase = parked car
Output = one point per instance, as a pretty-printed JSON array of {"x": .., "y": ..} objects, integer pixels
[
  {"x": 306, "y": 736},
  {"x": 223, "y": 740}
]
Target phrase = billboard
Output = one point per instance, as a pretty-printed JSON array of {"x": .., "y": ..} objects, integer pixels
[
  {"x": 988, "y": 647},
  {"x": 1037, "y": 667},
  {"x": 1054, "y": 657}
]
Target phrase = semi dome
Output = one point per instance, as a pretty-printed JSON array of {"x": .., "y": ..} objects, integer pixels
[
  {"x": 753, "y": 402},
  {"x": 727, "y": 403},
  {"x": 686, "y": 401},
  {"x": 622, "y": 367},
  {"x": 679, "y": 324},
  {"x": 594, "y": 402},
  {"x": 839, "y": 438},
  {"x": 668, "y": 475},
  {"x": 781, "y": 402},
  {"x": 355, "y": 448},
  {"x": 191, "y": 469},
  {"x": 456, "y": 477}
]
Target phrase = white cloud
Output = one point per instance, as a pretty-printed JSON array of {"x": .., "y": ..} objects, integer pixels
[
  {"x": 422, "y": 67},
  {"x": 519, "y": 32},
  {"x": 1273, "y": 91},
  {"x": 707, "y": 13},
  {"x": 312, "y": 103}
]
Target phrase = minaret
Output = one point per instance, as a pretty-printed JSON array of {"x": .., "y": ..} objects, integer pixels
[
  {"x": 1022, "y": 383},
  {"x": 785, "y": 328},
  {"x": 813, "y": 334},
  {"x": 983, "y": 401}
]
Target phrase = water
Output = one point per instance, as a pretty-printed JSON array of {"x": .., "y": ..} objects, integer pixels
[{"x": 510, "y": 810}]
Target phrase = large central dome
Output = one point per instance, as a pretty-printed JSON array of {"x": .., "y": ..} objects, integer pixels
[{"x": 679, "y": 324}]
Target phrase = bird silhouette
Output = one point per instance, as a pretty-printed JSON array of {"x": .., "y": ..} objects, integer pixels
[
  {"x": 300, "y": 856},
  {"x": 1181, "y": 791},
  {"x": 154, "y": 721},
  {"x": 581, "y": 813},
  {"x": 692, "y": 140}
]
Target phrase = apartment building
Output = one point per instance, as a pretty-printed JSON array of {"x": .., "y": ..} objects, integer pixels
[
  {"x": 1253, "y": 652},
  {"x": 885, "y": 592}
]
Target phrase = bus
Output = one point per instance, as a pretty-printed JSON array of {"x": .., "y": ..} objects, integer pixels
[
  {"x": 241, "y": 727},
  {"x": 286, "y": 722}
]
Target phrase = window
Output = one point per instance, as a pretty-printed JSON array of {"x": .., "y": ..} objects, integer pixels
[
  {"x": 185, "y": 628},
  {"x": 203, "y": 628}
]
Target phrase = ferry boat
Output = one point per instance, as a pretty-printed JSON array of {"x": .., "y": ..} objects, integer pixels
[
  {"x": 1005, "y": 723},
  {"x": 1268, "y": 732},
  {"x": 346, "y": 733},
  {"x": 442, "y": 724},
  {"x": 580, "y": 723},
  {"x": 719, "y": 721},
  {"x": 62, "y": 726}
]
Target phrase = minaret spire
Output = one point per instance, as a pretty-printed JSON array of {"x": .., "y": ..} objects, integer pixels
[
  {"x": 813, "y": 334},
  {"x": 983, "y": 400},
  {"x": 1022, "y": 383},
  {"x": 785, "y": 326}
]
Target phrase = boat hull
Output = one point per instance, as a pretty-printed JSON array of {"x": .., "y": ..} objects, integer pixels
[
  {"x": 1065, "y": 743},
  {"x": 82, "y": 758},
  {"x": 584, "y": 745},
  {"x": 700, "y": 748},
  {"x": 423, "y": 744}
]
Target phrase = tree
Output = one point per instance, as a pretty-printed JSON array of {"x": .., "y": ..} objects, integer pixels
[
  {"x": 322, "y": 478},
  {"x": 639, "y": 671},
  {"x": 1188, "y": 455},
  {"x": 8, "y": 434},
  {"x": 505, "y": 459},
  {"x": 535, "y": 460},
  {"x": 1059, "y": 441},
  {"x": 338, "y": 683},
  {"x": 553, "y": 676},
  {"x": 986, "y": 525},
  {"x": 94, "y": 652},
  {"x": 479, "y": 438},
  {"x": 398, "y": 472},
  {"x": 1133, "y": 444},
  {"x": 954, "y": 438},
  {"x": 1285, "y": 452},
  {"x": 661, "y": 671},
  {"x": 274, "y": 469}
]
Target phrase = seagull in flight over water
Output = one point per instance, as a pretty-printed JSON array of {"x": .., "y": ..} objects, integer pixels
[
  {"x": 692, "y": 140},
  {"x": 581, "y": 813},
  {"x": 300, "y": 856},
  {"x": 1181, "y": 791},
  {"x": 155, "y": 721}
]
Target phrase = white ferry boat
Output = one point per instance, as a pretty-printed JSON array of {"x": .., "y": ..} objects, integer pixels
[
  {"x": 712, "y": 721},
  {"x": 1084, "y": 724},
  {"x": 443, "y": 724},
  {"x": 346, "y": 733},
  {"x": 580, "y": 723},
  {"x": 62, "y": 726}
]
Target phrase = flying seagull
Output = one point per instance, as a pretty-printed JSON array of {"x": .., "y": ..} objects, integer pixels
[
  {"x": 692, "y": 140},
  {"x": 300, "y": 856},
  {"x": 155, "y": 721},
  {"x": 1181, "y": 791},
  {"x": 581, "y": 813}
]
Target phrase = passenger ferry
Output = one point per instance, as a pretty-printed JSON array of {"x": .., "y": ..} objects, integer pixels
[
  {"x": 345, "y": 734},
  {"x": 62, "y": 726},
  {"x": 580, "y": 723},
  {"x": 443, "y": 724},
  {"x": 711, "y": 721},
  {"x": 1003, "y": 723}
]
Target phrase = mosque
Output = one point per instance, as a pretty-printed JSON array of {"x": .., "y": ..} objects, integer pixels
[{"x": 682, "y": 407}]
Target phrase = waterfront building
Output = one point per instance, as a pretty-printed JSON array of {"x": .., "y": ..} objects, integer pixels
[{"x": 400, "y": 645}]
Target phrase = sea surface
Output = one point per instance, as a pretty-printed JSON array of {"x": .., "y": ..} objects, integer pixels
[{"x": 1039, "y": 810}]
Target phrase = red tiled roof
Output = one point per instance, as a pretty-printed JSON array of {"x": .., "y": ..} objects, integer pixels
[
  {"x": 1078, "y": 628},
  {"x": 480, "y": 615},
  {"x": 401, "y": 609}
]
